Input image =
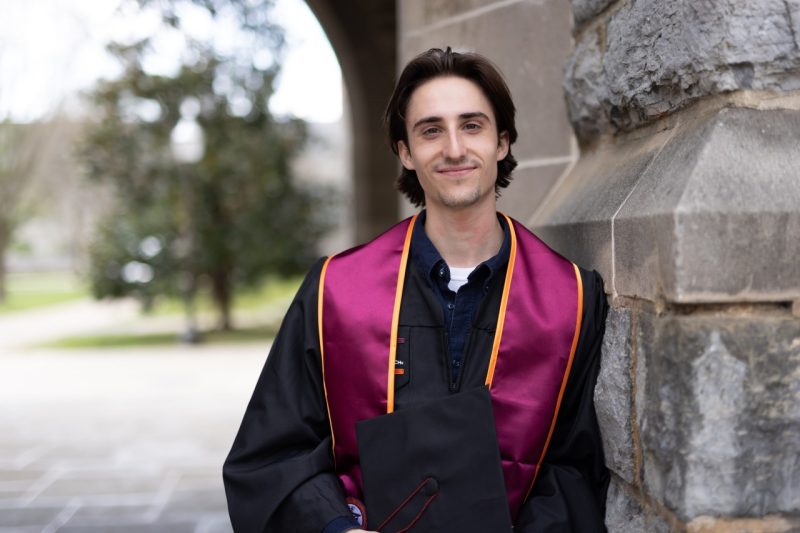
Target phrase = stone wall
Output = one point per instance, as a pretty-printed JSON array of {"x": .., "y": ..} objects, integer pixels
[
  {"x": 686, "y": 198},
  {"x": 639, "y": 60}
]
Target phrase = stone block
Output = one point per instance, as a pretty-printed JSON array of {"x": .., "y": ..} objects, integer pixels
[
  {"x": 706, "y": 210},
  {"x": 531, "y": 61},
  {"x": 768, "y": 524},
  {"x": 716, "y": 215},
  {"x": 721, "y": 423},
  {"x": 614, "y": 393},
  {"x": 660, "y": 56},
  {"x": 585, "y": 10},
  {"x": 527, "y": 190},
  {"x": 626, "y": 514},
  {"x": 645, "y": 239},
  {"x": 415, "y": 14},
  {"x": 576, "y": 218},
  {"x": 586, "y": 77},
  {"x": 793, "y": 7}
]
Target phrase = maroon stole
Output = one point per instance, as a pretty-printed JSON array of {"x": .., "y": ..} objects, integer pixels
[{"x": 535, "y": 340}]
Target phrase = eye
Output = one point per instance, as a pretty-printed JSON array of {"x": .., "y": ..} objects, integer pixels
[
  {"x": 472, "y": 126},
  {"x": 429, "y": 132}
]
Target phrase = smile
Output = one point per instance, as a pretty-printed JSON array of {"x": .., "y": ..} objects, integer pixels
[{"x": 456, "y": 172}]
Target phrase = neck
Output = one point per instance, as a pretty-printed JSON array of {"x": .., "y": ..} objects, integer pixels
[{"x": 465, "y": 238}]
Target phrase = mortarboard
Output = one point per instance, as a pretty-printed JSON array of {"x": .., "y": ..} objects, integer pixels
[{"x": 434, "y": 467}]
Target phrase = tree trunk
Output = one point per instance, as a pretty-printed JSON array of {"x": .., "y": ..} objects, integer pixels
[
  {"x": 4, "y": 241},
  {"x": 191, "y": 335},
  {"x": 221, "y": 290},
  {"x": 2, "y": 275}
]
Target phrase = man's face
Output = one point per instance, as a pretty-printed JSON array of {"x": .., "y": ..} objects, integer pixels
[{"x": 453, "y": 143}]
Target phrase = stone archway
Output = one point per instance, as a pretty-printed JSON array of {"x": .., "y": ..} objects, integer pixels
[{"x": 363, "y": 34}]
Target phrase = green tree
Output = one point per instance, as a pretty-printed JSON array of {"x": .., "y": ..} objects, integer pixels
[
  {"x": 24, "y": 150},
  {"x": 200, "y": 168},
  {"x": 16, "y": 166}
]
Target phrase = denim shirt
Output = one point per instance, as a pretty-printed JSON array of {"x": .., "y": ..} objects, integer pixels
[{"x": 458, "y": 307}]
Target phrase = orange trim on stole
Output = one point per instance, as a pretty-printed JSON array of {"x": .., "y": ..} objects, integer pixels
[
  {"x": 322, "y": 350},
  {"x": 501, "y": 316},
  {"x": 575, "y": 337},
  {"x": 398, "y": 296}
]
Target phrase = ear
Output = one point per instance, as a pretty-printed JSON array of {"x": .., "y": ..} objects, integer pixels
[
  {"x": 405, "y": 155},
  {"x": 502, "y": 145}
]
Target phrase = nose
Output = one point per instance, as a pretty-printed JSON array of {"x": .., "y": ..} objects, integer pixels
[{"x": 454, "y": 148}]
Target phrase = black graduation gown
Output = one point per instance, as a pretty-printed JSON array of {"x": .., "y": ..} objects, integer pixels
[{"x": 279, "y": 474}]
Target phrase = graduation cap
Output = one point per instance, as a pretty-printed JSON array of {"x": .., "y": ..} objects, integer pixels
[{"x": 434, "y": 467}]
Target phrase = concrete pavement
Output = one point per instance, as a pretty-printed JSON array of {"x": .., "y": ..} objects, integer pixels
[
  {"x": 123, "y": 440},
  {"x": 73, "y": 318}
]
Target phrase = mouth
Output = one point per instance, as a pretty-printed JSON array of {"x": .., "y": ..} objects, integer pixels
[{"x": 456, "y": 171}]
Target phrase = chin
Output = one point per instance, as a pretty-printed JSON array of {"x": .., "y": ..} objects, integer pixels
[{"x": 461, "y": 201}]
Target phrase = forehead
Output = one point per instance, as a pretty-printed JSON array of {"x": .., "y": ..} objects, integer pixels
[{"x": 447, "y": 97}]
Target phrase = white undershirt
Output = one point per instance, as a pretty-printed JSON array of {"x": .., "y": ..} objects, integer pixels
[{"x": 458, "y": 277}]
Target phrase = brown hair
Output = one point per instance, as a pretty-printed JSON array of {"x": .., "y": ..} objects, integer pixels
[{"x": 471, "y": 66}]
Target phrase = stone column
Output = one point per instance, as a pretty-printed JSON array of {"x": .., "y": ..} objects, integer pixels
[
  {"x": 363, "y": 35},
  {"x": 686, "y": 197}
]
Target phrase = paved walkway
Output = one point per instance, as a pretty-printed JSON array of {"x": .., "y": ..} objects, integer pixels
[
  {"x": 74, "y": 318},
  {"x": 123, "y": 440}
]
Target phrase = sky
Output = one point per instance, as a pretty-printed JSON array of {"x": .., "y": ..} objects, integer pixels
[{"x": 50, "y": 49}]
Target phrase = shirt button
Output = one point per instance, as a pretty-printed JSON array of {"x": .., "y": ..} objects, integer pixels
[
  {"x": 441, "y": 272},
  {"x": 451, "y": 306},
  {"x": 456, "y": 363}
]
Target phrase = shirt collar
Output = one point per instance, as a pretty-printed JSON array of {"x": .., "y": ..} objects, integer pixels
[{"x": 428, "y": 259}]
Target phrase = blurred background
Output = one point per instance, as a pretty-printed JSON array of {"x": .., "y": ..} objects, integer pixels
[
  {"x": 168, "y": 172},
  {"x": 170, "y": 168}
]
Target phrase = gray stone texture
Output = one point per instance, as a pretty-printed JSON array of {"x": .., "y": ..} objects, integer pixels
[
  {"x": 613, "y": 395},
  {"x": 586, "y": 88},
  {"x": 706, "y": 211},
  {"x": 656, "y": 57},
  {"x": 576, "y": 218},
  {"x": 531, "y": 61},
  {"x": 768, "y": 524},
  {"x": 626, "y": 514},
  {"x": 585, "y": 10},
  {"x": 415, "y": 15},
  {"x": 721, "y": 426},
  {"x": 527, "y": 190}
]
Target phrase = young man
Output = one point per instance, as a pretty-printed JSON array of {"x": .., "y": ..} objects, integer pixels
[{"x": 442, "y": 373}]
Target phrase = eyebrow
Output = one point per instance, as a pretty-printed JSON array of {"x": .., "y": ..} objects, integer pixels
[{"x": 462, "y": 116}]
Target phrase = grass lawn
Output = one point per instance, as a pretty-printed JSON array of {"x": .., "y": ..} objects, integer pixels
[
  {"x": 39, "y": 289},
  {"x": 272, "y": 291},
  {"x": 272, "y": 295},
  {"x": 260, "y": 333}
]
